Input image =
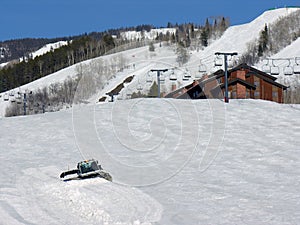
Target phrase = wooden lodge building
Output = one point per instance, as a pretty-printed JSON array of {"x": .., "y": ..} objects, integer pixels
[{"x": 243, "y": 82}]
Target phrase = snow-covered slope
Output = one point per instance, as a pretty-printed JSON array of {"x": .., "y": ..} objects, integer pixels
[
  {"x": 151, "y": 35},
  {"x": 47, "y": 48},
  {"x": 140, "y": 61},
  {"x": 236, "y": 38},
  {"x": 191, "y": 165}
]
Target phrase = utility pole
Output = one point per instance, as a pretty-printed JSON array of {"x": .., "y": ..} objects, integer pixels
[
  {"x": 158, "y": 80},
  {"x": 225, "y": 54}
]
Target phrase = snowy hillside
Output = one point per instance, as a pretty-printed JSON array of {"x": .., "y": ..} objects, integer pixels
[
  {"x": 172, "y": 162},
  {"x": 48, "y": 48},
  {"x": 151, "y": 35},
  {"x": 236, "y": 38},
  {"x": 140, "y": 61}
]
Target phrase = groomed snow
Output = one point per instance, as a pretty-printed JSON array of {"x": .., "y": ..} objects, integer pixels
[{"x": 252, "y": 178}]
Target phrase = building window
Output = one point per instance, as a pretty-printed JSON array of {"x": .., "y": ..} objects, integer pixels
[
  {"x": 256, "y": 94},
  {"x": 274, "y": 94}
]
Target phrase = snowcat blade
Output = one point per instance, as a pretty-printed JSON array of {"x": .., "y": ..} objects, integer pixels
[{"x": 66, "y": 173}]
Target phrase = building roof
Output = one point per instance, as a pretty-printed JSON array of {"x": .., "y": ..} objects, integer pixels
[
  {"x": 220, "y": 73},
  {"x": 266, "y": 77},
  {"x": 240, "y": 81},
  {"x": 245, "y": 66}
]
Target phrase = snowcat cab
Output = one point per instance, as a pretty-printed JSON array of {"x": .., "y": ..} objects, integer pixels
[{"x": 87, "y": 169}]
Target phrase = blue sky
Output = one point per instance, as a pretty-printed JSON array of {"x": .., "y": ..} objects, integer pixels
[{"x": 57, "y": 18}]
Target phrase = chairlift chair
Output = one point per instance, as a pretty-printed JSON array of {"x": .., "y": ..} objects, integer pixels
[
  {"x": 218, "y": 61},
  {"x": 296, "y": 68},
  {"x": 187, "y": 75},
  {"x": 288, "y": 70},
  {"x": 266, "y": 68},
  {"x": 274, "y": 69},
  {"x": 173, "y": 77},
  {"x": 202, "y": 68},
  {"x": 184, "y": 78},
  {"x": 19, "y": 98},
  {"x": 6, "y": 97},
  {"x": 231, "y": 62},
  {"x": 149, "y": 78},
  {"x": 19, "y": 101}
]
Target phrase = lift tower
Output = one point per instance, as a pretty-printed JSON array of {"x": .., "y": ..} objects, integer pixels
[{"x": 225, "y": 54}]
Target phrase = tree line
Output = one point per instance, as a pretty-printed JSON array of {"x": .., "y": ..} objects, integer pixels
[{"x": 75, "y": 51}]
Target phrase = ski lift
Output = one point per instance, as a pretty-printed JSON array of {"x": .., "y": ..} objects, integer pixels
[
  {"x": 13, "y": 100},
  {"x": 231, "y": 61},
  {"x": 149, "y": 78},
  {"x": 266, "y": 68},
  {"x": 202, "y": 68},
  {"x": 274, "y": 69},
  {"x": 296, "y": 67},
  {"x": 173, "y": 77},
  {"x": 6, "y": 97},
  {"x": 19, "y": 101},
  {"x": 187, "y": 75},
  {"x": 19, "y": 95},
  {"x": 12, "y": 93},
  {"x": 288, "y": 70},
  {"x": 184, "y": 78},
  {"x": 218, "y": 61}
]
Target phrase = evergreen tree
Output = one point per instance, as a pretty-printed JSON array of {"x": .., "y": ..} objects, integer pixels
[
  {"x": 204, "y": 38},
  {"x": 263, "y": 41},
  {"x": 153, "y": 90}
]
